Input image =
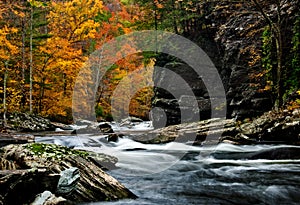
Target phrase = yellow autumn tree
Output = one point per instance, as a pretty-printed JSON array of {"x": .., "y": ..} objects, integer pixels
[
  {"x": 8, "y": 50},
  {"x": 72, "y": 26}
]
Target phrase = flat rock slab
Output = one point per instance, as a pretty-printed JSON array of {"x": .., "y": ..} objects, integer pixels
[
  {"x": 7, "y": 138},
  {"x": 196, "y": 132}
]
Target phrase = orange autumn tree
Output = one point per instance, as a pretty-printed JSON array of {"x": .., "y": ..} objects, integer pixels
[
  {"x": 72, "y": 26},
  {"x": 118, "y": 21},
  {"x": 133, "y": 88},
  {"x": 52, "y": 41},
  {"x": 9, "y": 92}
]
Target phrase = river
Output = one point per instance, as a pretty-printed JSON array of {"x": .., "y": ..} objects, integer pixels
[{"x": 181, "y": 174}]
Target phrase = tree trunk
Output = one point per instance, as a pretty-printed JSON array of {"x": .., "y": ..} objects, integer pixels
[
  {"x": 23, "y": 100},
  {"x": 31, "y": 60},
  {"x": 174, "y": 19},
  {"x": 279, "y": 50},
  {"x": 279, "y": 71},
  {"x": 4, "y": 93},
  {"x": 41, "y": 96},
  {"x": 276, "y": 29}
]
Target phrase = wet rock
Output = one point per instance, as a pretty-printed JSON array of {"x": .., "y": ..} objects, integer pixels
[
  {"x": 238, "y": 139},
  {"x": 62, "y": 126},
  {"x": 132, "y": 119},
  {"x": 278, "y": 153},
  {"x": 68, "y": 181},
  {"x": 81, "y": 122},
  {"x": 47, "y": 198},
  {"x": 93, "y": 185},
  {"x": 105, "y": 127},
  {"x": 113, "y": 138},
  {"x": 105, "y": 162},
  {"x": 95, "y": 128},
  {"x": 271, "y": 128}
]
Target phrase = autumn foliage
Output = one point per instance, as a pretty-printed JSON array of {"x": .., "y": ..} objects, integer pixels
[{"x": 62, "y": 35}]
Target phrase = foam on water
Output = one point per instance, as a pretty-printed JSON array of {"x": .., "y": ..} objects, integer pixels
[{"x": 176, "y": 173}]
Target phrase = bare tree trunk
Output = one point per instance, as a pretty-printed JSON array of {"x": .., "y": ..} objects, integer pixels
[
  {"x": 275, "y": 27},
  {"x": 41, "y": 96},
  {"x": 23, "y": 100},
  {"x": 4, "y": 93},
  {"x": 31, "y": 60},
  {"x": 174, "y": 19},
  {"x": 279, "y": 50},
  {"x": 279, "y": 71}
]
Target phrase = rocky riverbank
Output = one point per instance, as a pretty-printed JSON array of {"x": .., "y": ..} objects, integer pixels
[
  {"x": 64, "y": 175},
  {"x": 273, "y": 127},
  {"x": 25, "y": 122},
  {"x": 56, "y": 174},
  {"x": 72, "y": 176}
]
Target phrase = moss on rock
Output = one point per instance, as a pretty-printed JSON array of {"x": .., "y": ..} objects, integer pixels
[{"x": 54, "y": 151}]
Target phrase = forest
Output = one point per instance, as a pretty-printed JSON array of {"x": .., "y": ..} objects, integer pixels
[{"x": 44, "y": 44}]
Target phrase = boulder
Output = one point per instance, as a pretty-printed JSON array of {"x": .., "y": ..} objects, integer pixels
[
  {"x": 61, "y": 126},
  {"x": 113, "y": 137},
  {"x": 81, "y": 122},
  {"x": 95, "y": 128},
  {"x": 92, "y": 185},
  {"x": 68, "y": 181},
  {"x": 22, "y": 185},
  {"x": 196, "y": 132},
  {"x": 47, "y": 198},
  {"x": 105, "y": 127}
]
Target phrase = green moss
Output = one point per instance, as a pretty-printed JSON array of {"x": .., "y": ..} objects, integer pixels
[{"x": 54, "y": 151}]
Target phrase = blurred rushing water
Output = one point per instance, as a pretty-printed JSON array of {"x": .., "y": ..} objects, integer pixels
[{"x": 177, "y": 173}]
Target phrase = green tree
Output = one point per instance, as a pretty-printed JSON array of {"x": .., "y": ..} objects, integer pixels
[
  {"x": 277, "y": 33},
  {"x": 294, "y": 74}
]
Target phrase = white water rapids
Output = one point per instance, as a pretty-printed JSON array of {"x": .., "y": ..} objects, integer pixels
[{"x": 177, "y": 173}]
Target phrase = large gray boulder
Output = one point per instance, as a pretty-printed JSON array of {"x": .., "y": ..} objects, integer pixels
[{"x": 81, "y": 176}]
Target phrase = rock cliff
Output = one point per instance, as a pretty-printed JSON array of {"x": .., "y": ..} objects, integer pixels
[{"x": 232, "y": 40}]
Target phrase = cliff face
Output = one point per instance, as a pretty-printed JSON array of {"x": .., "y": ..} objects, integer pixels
[{"x": 233, "y": 42}]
